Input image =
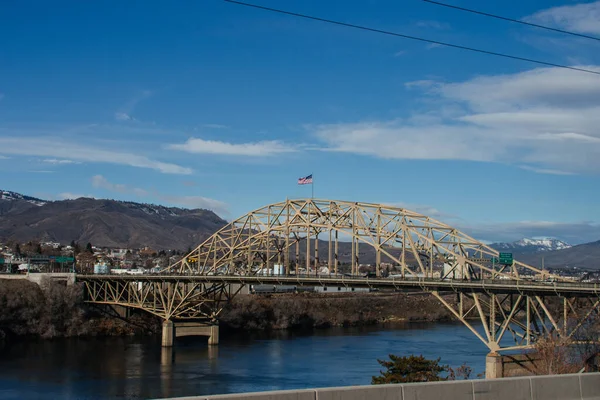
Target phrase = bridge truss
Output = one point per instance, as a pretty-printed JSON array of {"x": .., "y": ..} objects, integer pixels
[{"x": 322, "y": 242}]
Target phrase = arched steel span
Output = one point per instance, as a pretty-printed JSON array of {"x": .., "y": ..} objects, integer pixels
[{"x": 305, "y": 236}]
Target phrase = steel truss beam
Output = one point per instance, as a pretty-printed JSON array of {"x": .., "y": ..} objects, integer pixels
[
  {"x": 523, "y": 317},
  {"x": 168, "y": 299}
]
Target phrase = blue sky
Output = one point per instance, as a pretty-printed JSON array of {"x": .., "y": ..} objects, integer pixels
[{"x": 214, "y": 105}]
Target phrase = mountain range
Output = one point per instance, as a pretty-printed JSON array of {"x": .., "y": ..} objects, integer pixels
[
  {"x": 113, "y": 223},
  {"x": 109, "y": 223}
]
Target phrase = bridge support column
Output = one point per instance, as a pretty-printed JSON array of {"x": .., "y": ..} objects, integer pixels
[
  {"x": 198, "y": 329},
  {"x": 493, "y": 366},
  {"x": 213, "y": 339},
  {"x": 167, "y": 334}
]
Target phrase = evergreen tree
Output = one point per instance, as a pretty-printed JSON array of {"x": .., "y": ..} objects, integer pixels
[
  {"x": 88, "y": 248},
  {"x": 410, "y": 369}
]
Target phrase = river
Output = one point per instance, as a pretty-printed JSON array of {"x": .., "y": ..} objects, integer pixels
[{"x": 134, "y": 368}]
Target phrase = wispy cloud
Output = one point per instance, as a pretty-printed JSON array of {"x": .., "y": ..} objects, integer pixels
[
  {"x": 545, "y": 119},
  {"x": 121, "y": 116},
  {"x": 215, "y": 126},
  {"x": 217, "y": 206},
  {"x": 90, "y": 153},
  {"x": 56, "y": 161},
  {"x": 426, "y": 210},
  {"x": 124, "y": 113},
  {"x": 581, "y": 18},
  {"x": 100, "y": 182},
  {"x": 255, "y": 149},
  {"x": 545, "y": 170},
  {"x": 72, "y": 196},
  {"x": 432, "y": 24},
  {"x": 4, "y": 157}
]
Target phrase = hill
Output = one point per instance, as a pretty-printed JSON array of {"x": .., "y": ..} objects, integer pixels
[
  {"x": 108, "y": 223},
  {"x": 584, "y": 256},
  {"x": 531, "y": 246}
]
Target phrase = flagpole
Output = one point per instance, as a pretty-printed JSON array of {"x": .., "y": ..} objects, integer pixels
[{"x": 312, "y": 186}]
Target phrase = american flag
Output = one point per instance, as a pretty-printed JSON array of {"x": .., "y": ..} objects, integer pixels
[{"x": 306, "y": 180}]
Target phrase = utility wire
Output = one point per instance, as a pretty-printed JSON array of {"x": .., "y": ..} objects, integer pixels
[
  {"x": 456, "y": 46},
  {"x": 510, "y": 19}
]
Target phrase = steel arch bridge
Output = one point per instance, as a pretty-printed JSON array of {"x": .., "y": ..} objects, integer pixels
[
  {"x": 273, "y": 235},
  {"x": 320, "y": 243}
]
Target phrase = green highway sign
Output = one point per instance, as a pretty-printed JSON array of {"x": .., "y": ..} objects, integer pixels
[
  {"x": 64, "y": 259},
  {"x": 506, "y": 258},
  {"x": 1, "y": 260}
]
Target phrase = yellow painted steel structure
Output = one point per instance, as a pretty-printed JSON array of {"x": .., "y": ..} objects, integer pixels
[{"x": 298, "y": 242}]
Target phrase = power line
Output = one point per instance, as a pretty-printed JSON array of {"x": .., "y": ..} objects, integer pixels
[
  {"x": 456, "y": 46},
  {"x": 510, "y": 19}
]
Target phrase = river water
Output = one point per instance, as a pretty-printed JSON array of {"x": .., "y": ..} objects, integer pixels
[{"x": 134, "y": 368}]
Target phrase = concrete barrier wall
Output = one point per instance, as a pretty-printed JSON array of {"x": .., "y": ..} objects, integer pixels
[{"x": 555, "y": 387}]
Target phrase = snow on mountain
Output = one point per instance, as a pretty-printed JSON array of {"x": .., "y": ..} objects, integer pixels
[
  {"x": 8, "y": 195},
  {"x": 527, "y": 245}
]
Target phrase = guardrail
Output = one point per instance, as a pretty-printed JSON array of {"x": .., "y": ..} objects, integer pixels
[
  {"x": 553, "y": 387},
  {"x": 354, "y": 280}
]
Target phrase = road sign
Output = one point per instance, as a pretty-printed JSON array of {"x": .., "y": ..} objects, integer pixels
[
  {"x": 64, "y": 259},
  {"x": 1, "y": 260},
  {"x": 506, "y": 258}
]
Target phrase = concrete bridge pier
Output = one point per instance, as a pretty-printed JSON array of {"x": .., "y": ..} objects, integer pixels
[
  {"x": 168, "y": 332},
  {"x": 172, "y": 330},
  {"x": 493, "y": 366}
]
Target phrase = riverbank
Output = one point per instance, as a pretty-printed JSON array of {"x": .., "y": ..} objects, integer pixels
[
  {"x": 54, "y": 310},
  {"x": 302, "y": 311}
]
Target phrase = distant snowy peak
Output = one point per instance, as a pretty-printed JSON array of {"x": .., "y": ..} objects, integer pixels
[
  {"x": 549, "y": 243},
  {"x": 533, "y": 245},
  {"x": 8, "y": 195}
]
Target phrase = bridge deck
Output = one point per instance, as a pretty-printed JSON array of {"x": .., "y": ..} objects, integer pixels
[{"x": 486, "y": 285}]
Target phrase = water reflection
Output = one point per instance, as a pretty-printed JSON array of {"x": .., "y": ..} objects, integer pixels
[{"x": 104, "y": 368}]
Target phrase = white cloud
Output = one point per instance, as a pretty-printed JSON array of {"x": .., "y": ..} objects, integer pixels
[
  {"x": 121, "y": 116},
  {"x": 4, "y": 157},
  {"x": 545, "y": 170},
  {"x": 98, "y": 181},
  {"x": 581, "y": 18},
  {"x": 425, "y": 210},
  {"x": 49, "y": 147},
  {"x": 545, "y": 118},
  {"x": 431, "y": 24},
  {"x": 124, "y": 113},
  {"x": 59, "y": 162},
  {"x": 197, "y": 202},
  {"x": 215, "y": 126},
  {"x": 71, "y": 196},
  {"x": 256, "y": 149},
  {"x": 399, "y": 53}
]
